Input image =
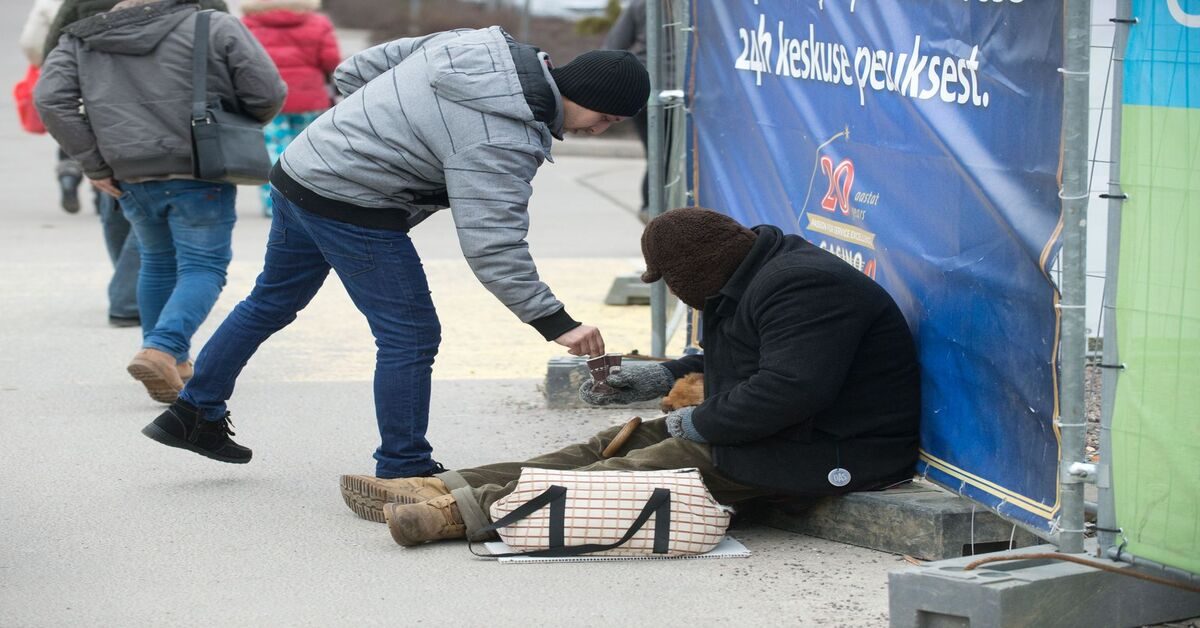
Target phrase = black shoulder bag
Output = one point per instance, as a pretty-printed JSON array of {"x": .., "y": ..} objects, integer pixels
[{"x": 226, "y": 146}]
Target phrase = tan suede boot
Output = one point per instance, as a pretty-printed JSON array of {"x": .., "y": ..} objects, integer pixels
[
  {"x": 433, "y": 520},
  {"x": 366, "y": 495},
  {"x": 185, "y": 370},
  {"x": 156, "y": 371}
]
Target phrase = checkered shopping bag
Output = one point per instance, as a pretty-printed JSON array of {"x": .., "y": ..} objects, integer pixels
[{"x": 572, "y": 513}]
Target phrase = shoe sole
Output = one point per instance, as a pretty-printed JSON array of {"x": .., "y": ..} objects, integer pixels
[
  {"x": 157, "y": 387},
  {"x": 157, "y": 434},
  {"x": 367, "y": 500}
]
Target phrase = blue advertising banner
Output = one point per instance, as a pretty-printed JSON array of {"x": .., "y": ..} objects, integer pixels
[{"x": 919, "y": 142}]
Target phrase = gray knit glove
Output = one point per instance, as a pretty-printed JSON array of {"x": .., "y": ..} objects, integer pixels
[
  {"x": 635, "y": 382},
  {"x": 679, "y": 425}
]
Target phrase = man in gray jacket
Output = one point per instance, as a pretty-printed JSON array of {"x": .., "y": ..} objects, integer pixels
[
  {"x": 461, "y": 119},
  {"x": 131, "y": 69}
]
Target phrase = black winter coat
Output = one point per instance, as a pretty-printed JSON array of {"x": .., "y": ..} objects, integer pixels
[{"x": 808, "y": 366}]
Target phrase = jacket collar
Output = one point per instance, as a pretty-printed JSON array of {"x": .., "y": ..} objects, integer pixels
[
  {"x": 556, "y": 124},
  {"x": 766, "y": 245},
  {"x": 541, "y": 92}
]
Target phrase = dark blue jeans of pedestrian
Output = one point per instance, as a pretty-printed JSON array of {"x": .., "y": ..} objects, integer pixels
[
  {"x": 385, "y": 279},
  {"x": 122, "y": 248},
  {"x": 183, "y": 229}
]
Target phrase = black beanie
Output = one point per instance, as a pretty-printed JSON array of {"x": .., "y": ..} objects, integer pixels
[
  {"x": 695, "y": 250},
  {"x": 607, "y": 81}
]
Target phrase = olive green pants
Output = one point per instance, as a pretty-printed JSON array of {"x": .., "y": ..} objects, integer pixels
[{"x": 650, "y": 448}]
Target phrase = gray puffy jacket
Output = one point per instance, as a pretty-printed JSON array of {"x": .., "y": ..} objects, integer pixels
[
  {"x": 132, "y": 70},
  {"x": 443, "y": 120}
]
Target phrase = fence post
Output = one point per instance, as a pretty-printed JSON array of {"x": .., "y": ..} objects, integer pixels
[
  {"x": 1106, "y": 517},
  {"x": 414, "y": 18},
  {"x": 655, "y": 165},
  {"x": 1071, "y": 419},
  {"x": 524, "y": 27}
]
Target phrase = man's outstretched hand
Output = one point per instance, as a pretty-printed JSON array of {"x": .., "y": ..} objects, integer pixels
[{"x": 583, "y": 340}]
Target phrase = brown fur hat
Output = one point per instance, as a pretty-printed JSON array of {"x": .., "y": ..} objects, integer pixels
[{"x": 695, "y": 250}]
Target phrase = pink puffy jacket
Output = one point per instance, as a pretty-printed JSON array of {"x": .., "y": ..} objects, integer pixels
[{"x": 302, "y": 45}]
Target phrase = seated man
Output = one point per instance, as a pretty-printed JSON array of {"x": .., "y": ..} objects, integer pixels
[{"x": 810, "y": 373}]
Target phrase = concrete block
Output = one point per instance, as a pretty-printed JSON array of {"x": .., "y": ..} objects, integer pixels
[
  {"x": 628, "y": 290},
  {"x": 565, "y": 374},
  {"x": 916, "y": 519},
  {"x": 1038, "y": 592}
]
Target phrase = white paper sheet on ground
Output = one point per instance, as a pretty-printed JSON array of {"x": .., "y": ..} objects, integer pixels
[{"x": 729, "y": 547}]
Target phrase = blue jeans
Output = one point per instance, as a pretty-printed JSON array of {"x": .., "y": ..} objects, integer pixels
[
  {"x": 184, "y": 229},
  {"x": 122, "y": 248},
  {"x": 385, "y": 279}
]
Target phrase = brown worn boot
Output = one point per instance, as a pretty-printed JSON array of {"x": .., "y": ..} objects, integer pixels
[
  {"x": 433, "y": 520},
  {"x": 366, "y": 495},
  {"x": 156, "y": 371},
  {"x": 185, "y": 370}
]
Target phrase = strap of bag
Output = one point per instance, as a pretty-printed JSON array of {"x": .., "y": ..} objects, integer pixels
[
  {"x": 200, "y": 68},
  {"x": 658, "y": 505}
]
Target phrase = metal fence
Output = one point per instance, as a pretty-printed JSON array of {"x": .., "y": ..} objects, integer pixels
[{"x": 1097, "y": 35}]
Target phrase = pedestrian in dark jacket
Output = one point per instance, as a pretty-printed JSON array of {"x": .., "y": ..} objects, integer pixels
[
  {"x": 302, "y": 44},
  {"x": 118, "y": 234},
  {"x": 460, "y": 119},
  {"x": 131, "y": 69},
  {"x": 119, "y": 238},
  {"x": 811, "y": 381}
]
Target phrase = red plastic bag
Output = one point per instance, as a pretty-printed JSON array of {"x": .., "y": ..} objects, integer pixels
[{"x": 23, "y": 94}]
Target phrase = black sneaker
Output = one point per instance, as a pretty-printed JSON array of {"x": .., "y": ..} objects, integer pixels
[
  {"x": 181, "y": 426},
  {"x": 70, "y": 193}
]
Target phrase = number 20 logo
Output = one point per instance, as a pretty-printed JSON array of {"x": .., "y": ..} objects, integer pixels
[{"x": 841, "y": 179}]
